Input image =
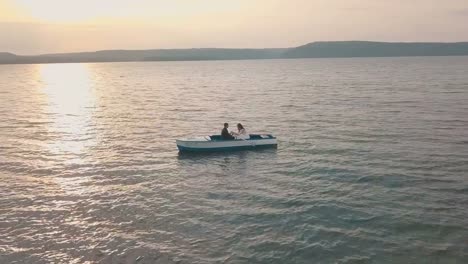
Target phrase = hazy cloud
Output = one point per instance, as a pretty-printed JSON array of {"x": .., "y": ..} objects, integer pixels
[
  {"x": 460, "y": 12},
  {"x": 143, "y": 24}
]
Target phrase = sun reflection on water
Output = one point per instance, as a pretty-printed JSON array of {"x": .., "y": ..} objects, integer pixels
[{"x": 71, "y": 100}]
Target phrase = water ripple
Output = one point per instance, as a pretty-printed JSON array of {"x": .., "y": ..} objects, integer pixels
[{"x": 371, "y": 165}]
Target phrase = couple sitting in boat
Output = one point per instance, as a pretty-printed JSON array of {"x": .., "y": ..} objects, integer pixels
[{"x": 240, "y": 134}]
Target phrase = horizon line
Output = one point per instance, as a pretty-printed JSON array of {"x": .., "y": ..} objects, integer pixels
[{"x": 244, "y": 48}]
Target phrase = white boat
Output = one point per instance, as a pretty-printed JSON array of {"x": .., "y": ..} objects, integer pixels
[{"x": 216, "y": 143}]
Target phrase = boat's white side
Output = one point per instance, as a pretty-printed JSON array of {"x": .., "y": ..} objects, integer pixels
[{"x": 206, "y": 144}]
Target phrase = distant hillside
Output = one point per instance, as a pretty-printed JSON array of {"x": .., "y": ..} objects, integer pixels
[
  {"x": 344, "y": 49},
  {"x": 217, "y": 54},
  {"x": 147, "y": 55},
  {"x": 5, "y": 57},
  {"x": 334, "y": 49}
]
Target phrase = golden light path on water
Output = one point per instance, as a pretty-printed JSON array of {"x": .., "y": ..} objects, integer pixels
[
  {"x": 70, "y": 96},
  {"x": 70, "y": 101}
]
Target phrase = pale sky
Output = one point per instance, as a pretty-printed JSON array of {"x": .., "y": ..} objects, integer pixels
[{"x": 50, "y": 26}]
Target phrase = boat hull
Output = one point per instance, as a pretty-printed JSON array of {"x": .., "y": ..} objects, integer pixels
[{"x": 208, "y": 145}]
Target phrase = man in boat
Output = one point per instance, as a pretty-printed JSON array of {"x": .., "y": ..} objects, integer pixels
[{"x": 225, "y": 133}]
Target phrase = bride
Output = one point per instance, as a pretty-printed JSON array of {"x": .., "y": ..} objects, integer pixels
[{"x": 241, "y": 132}]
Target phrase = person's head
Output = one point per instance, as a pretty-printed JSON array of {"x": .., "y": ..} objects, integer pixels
[
  {"x": 226, "y": 125},
  {"x": 240, "y": 126}
]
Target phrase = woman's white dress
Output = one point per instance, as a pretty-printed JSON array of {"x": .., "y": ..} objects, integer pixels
[{"x": 242, "y": 134}]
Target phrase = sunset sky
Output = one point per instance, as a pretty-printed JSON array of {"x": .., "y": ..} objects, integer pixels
[{"x": 49, "y": 26}]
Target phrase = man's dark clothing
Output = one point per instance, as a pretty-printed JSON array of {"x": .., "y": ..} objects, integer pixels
[{"x": 225, "y": 134}]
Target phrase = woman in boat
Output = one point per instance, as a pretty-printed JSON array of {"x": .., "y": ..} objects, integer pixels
[{"x": 241, "y": 132}]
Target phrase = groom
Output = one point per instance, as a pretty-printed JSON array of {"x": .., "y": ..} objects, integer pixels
[{"x": 225, "y": 133}]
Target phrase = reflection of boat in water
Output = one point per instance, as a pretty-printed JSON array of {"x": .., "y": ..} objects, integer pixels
[{"x": 216, "y": 143}]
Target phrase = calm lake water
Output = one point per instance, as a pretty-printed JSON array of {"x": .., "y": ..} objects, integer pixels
[{"x": 371, "y": 167}]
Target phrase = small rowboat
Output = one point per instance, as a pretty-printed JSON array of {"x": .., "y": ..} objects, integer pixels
[{"x": 216, "y": 143}]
